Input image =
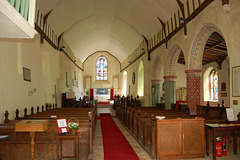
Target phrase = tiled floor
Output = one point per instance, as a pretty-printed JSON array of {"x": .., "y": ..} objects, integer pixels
[{"x": 98, "y": 153}]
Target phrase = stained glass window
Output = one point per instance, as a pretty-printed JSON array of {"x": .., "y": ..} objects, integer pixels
[
  {"x": 213, "y": 77},
  {"x": 101, "y": 68}
]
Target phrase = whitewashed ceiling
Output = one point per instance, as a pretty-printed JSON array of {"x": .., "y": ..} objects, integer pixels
[{"x": 115, "y": 26}]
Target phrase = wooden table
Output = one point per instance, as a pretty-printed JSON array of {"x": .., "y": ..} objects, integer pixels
[{"x": 219, "y": 130}]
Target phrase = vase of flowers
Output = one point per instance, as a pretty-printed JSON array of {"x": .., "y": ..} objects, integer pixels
[{"x": 73, "y": 125}]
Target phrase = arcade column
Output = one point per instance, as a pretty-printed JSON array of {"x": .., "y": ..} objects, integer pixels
[
  {"x": 193, "y": 90},
  {"x": 170, "y": 91},
  {"x": 155, "y": 92}
]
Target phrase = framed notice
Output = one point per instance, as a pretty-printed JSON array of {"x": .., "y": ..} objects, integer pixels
[
  {"x": 230, "y": 114},
  {"x": 223, "y": 94},
  {"x": 62, "y": 125},
  {"x": 26, "y": 74},
  {"x": 236, "y": 81}
]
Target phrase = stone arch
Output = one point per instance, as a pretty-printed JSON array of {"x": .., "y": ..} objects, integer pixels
[
  {"x": 172, "y": 60},
  {"x": 194, "y": 65},
  {"x": 156, "y": 80},
  {"x": 156, "y": 68},
  {"x": 198, "y": 44},
  {"x": 170, "y": 76}
]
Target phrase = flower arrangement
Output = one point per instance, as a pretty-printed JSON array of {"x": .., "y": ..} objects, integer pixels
[{"x": 73, "y": 125}]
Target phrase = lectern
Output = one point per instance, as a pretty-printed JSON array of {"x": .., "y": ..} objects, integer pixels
[{"x": 31, "y": 126}]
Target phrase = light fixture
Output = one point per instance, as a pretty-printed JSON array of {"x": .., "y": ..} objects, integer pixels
[
  {"x": 181, "y": 19},
  {"x": 61, "y": 49}
]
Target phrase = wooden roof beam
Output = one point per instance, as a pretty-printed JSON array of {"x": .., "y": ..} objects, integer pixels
[
  {"x": 225, "y": 2},
  {"x": 214, "y": 45},
  {"x": 219, "y": 50},
  {"x": 45, "y": 18},
  {"x": 211, "y": 56},
  {"x": 181, "y": 6},
  {"x": 164, "y": 29},
  {"x": 59, "y": 39},
  {"x": 216, "y": 59},
  {"x": 145, "y": 39}
]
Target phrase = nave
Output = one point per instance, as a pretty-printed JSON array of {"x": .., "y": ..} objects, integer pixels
[
  {"x": 98, "y": 148},
  {"x": 46, "y": 143}
]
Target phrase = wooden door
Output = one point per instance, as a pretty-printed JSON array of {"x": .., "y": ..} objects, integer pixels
[
  {"x": 168, "y": 138},
  {"x": 193, "y": 137}
]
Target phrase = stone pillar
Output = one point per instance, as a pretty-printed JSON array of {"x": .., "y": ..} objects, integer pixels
[
  {"x": 155, "y": 92},
  {"x": 193, "y": 90},
  {"x": 170, "y": 91}
]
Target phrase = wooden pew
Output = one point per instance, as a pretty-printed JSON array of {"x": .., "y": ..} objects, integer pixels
[
  {"x": 212, "y": 114},
  {"x": 141, "y": 123},
  {"x": 46, "y": 142}
]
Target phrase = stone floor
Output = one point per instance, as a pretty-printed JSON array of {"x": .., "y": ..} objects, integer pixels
[{"x": 98, "y": 153}]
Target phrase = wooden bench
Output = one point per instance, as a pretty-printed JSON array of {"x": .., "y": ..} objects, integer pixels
[
  {"x": 212, "y": 114},
  {"x": 141, "y": 123},
  {"x": 46, "y": 142}
]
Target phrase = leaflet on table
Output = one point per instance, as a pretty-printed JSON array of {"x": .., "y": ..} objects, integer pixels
[{"x": 222, "y": 125}]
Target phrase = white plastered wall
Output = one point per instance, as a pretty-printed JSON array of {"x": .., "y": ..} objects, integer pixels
[
  {"x": 225, "y": 21},
  {"x": 15, "y": 93},
  {"x": 90, "y": 70}
]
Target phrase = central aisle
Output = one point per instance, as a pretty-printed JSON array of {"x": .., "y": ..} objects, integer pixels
[
  {"x": 98, "y": 151},
  {"x": 116, "y": 146}
]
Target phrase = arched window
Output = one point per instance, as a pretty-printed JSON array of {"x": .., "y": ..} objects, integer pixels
[
  {"x": 101, "y": 68},
  {"x": 124, "y": 85},
  {"x": 213, "y": 79},
  {"x": 141, "y": 79}
]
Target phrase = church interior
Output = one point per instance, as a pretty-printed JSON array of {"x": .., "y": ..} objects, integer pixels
[{"x": 119, "y": 80}]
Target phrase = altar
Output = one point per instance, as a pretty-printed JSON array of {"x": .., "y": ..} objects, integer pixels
[
  {"x": 102, "y": 94},
  {"x": 102, "y": 98}
]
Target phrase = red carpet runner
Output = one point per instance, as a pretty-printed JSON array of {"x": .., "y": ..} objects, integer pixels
[{"x": 116, "y": 146}]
